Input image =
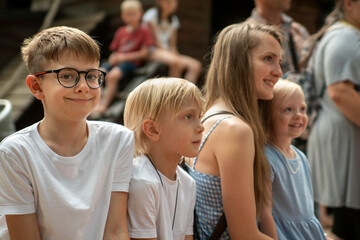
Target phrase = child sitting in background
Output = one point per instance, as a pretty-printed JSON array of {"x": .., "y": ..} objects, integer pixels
[
  {"x": 129, "y": 48},
  {"x": 292, "y": 195},
  {"x": 164, "y": 114},
  {"x": 164, "y": 25},
  {"x": 65, "y": 177}
]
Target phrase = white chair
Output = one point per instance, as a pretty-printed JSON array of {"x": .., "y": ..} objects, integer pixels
[{"x": 6, "y": 124}]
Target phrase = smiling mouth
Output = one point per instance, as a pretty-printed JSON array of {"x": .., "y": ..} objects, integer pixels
[
  {"x": 270, "y": 83},
  {"x": 298, "y": 125},
  {"x": 80, "y": 100}
]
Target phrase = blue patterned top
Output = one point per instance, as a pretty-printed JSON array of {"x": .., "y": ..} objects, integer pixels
[
  {"x": 292, "y": 197},
  {"x": 208, "y": 206}
]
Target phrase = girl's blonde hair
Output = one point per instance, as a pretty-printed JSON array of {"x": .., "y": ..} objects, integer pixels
[
  {"x": 283, "y": 89},
  {"x": 150, "y": 99},
  {"x": 230, "y": 76},
  {"x": 50, "y": 43}
]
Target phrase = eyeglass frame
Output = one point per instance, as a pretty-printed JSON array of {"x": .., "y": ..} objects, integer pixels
[{"x": 77, "y": 79}]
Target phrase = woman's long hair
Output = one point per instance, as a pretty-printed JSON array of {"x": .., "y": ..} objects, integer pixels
[{"x": 230, "y": 76}]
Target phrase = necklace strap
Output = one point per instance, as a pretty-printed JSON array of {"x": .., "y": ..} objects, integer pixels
[
  {"x": 148, "y": 157},
  {"x": 162, "y": 184}
]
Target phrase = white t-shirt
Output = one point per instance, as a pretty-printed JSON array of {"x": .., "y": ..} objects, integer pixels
[
  {"x": 151, "y": 205},
  {"x": 70, "y": 195},
  {"x": 164, "y": 28}
]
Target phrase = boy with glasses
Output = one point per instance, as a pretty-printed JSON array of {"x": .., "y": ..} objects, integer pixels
[{"x": 65, "y": 177}]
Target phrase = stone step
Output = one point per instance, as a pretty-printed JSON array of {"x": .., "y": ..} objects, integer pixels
[{"x": 12, "y": 76}]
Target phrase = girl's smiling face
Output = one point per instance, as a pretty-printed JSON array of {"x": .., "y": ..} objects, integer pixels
[{"x": 289, "y": 119}]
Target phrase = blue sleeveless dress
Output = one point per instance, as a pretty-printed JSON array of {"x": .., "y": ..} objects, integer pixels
[{"x": 208, "y": 206}]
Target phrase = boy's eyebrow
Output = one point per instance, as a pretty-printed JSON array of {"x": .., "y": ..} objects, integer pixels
[{"x": 188, "y": 109}]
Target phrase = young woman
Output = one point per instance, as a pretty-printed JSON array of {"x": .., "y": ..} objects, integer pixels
[{"x": 231, "y": 171}]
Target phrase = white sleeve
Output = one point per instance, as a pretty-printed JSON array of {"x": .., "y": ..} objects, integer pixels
[
  {"x": 123, "y": 166},
  {"x": 342, "y": 63},
  {"x": 175, "y": 24},
  {"x": 192, "y": 197},
  {"x": 143, "y": 208},
  {"x": 150, "y": 16},
  {"x": 16, "y": 194}
]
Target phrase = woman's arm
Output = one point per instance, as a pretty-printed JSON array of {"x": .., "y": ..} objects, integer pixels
[
  {"x": 347, "y": 99},
  {"x": 234, "y": 151},
  {"x": 23, "y": 227},
  {"x": 116, "y": 227}
]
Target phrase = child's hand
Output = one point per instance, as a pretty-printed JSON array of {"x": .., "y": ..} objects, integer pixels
[
  {"x": 116, "y": 58},
  {"x": 112, "y": 59}
]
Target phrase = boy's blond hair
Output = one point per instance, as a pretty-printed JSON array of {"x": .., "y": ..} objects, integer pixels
[
  {"x": 151, "y": 98},
  {"x": 131, "y": 5},
  {"x": 50, "y": 43}
]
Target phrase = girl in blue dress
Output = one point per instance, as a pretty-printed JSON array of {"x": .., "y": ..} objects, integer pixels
[{"x": 292, "y": 194}]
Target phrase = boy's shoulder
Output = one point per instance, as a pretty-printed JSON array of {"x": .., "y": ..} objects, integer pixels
[
  {"x": 144, "y": 171},
  {"x": 104, "y": 128},
  {"x": 20, "y": 138},
  {"x": 185, "y": 177},
  {"x": 144, "y": 179}
]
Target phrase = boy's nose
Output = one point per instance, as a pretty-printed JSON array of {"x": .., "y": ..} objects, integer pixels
[
  {"x": 82, "y": 84},
  {"x": 201, "y": 127}
]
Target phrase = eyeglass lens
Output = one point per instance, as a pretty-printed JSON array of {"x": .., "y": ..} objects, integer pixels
[{"x": 69, "y": 77}]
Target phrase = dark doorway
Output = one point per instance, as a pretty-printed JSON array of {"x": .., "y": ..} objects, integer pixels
[{"x": 226, "y": 12}]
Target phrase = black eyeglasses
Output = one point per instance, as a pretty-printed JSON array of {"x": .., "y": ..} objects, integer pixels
[{"x": 69, "y": 77}]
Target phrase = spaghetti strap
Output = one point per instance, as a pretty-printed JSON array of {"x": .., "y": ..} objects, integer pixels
[
  {"x": 214, "y": 114},
  {"x": 208, "y": 133}
]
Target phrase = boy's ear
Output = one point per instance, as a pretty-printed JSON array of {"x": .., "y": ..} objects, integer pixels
[
  {"x": 34, "y": 86},
  {"x": 150, "y": 129}
]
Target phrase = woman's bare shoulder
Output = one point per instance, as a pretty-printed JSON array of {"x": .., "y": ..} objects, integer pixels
[{"x": 235, "y": 127}]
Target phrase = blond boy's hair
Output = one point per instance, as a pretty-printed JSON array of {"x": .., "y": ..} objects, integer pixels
[
  {"x": 51, "y": 43},
  {"x": 150, "y": 99},
  {"x": 131, "y": 5}
]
